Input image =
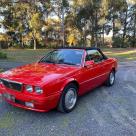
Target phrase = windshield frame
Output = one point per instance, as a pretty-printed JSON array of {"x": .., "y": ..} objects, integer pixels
[{"x": 81, "y": 63}]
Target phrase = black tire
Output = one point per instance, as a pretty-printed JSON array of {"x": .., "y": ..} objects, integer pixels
[
  {"x": 109, "y": 81},
  {"x": 62, "y": 104}
]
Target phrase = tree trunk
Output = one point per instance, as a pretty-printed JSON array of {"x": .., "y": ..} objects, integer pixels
[
  {"x": 34, "y": 44},
  {"x": 125, "y": 28},
  {"x": 96, "y": 29},
  {"x": 21, "y": 41},
  {"x": 114, "y": 30},
  {"x": 63, "y": 27},
  {"x": 113, "y": 25},
  {"x": 92, "y": 38},
  {"x": 83, "y": 41},
  {"x": 92, "y": 30},
  {"x": 134, "y": 35},
  {"x": 103, "y": 41},
  {"x": 34, "y": 40},
  {"x": 22, "y": 44}
]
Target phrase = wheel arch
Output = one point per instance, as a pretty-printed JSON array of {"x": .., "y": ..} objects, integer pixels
[
  {"x": 113, "y": 69},
  {"x": 72, "y": 80},
  {"x": 61, "y": 106},
  {"x": 114, "y": 66},
  {"x": 75, "y": 82}
]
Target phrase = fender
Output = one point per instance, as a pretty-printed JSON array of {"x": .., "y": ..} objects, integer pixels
[
  {"x": 67, "y": 82},
  {"x": 115, "y": 65}
]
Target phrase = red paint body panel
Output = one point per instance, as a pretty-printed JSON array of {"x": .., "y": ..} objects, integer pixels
[{"x": 53, "y": 78}]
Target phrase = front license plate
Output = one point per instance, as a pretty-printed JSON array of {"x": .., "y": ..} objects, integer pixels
[{"x": 9, "y": 97}]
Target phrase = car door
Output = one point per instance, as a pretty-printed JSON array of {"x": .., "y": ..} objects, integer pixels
[
  {"x": 93, "y": 76},
  {"x": 102, "y": 62}
]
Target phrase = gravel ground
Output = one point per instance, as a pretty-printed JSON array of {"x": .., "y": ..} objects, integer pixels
[{"x": 102, "y": 112}]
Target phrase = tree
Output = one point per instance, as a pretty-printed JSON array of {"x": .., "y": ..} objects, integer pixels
[
  {"x": 22, "y": 18},
  {"x": 35, "y": 26},
  {"x": 89, "y": 16},
  {"x": 44, "y": 22},
  {"x": 61, "y": 9},
  {"x": 114, "y": 8}
]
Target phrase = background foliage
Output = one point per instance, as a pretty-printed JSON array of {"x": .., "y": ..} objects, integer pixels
[{"x": 44, "y": 23}]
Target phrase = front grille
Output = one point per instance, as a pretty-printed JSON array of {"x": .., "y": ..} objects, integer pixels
[
  {"x": 12, "y": 85},
  {"x": 20, "y": 102}
]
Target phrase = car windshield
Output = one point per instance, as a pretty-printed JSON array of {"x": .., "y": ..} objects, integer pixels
[{"x": 64, "y": 56}]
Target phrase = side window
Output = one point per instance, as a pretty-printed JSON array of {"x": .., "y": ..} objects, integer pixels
[{"x": 94, "y": 55}]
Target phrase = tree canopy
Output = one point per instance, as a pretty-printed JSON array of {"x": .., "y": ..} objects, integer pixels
[{"x": 49, "y": 23}]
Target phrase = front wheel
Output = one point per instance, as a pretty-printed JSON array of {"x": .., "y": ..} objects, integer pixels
[
  {"x": 68, "y": 99},
  {"x": 111, "y": 79}
]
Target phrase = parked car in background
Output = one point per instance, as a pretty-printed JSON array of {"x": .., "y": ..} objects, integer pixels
[{"x": 57, "y": 79}]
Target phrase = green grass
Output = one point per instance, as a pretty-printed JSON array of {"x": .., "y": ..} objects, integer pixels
[
  {"x": 122, "y": 54},
  {"x": 19, "y": 55},
  {"x": 3, "y": 55},
  {"x": 26, "y": 55}
]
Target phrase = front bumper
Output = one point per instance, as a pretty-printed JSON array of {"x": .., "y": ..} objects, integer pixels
[{"x": 41, "y": 104}]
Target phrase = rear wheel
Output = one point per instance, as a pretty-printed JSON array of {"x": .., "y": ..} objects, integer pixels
[
  {"x": 68, "y": 99},
  {"x": 111, "y": 79}
]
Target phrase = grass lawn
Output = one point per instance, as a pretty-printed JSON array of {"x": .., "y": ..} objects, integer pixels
[
  {"x": 20, "y": 55},
  {"x": 1, "y": 70},
  {"x": 25, "y": 55},
  {"x": 121, "y": 54}
]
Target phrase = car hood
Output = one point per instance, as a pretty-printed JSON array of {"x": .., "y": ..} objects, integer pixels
[{"x": 38, "y": 73}]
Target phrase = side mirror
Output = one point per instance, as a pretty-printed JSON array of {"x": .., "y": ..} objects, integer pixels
[{"x": 89, "y": 63}]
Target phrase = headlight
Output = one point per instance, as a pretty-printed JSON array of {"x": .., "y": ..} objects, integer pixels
[
  {"x": 38, "y": 90},
  {"x": 29, "y": 88}
]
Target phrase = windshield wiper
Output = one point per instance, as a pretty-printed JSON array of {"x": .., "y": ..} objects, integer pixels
[
  {"x": 68, "y": 63},
  {"x": 47, "y": 61}
]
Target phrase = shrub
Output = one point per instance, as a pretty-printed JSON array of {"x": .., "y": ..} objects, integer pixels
[{"x": 3, "y": 55}]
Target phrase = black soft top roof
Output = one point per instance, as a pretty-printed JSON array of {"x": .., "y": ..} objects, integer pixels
[{"x": 84, "y": 48}]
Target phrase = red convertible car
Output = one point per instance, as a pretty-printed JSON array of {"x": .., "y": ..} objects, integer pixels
[{"x": 57, "y": 79}]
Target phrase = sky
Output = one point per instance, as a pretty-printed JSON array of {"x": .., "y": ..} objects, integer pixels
[{"x": 2, "y": 30}]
